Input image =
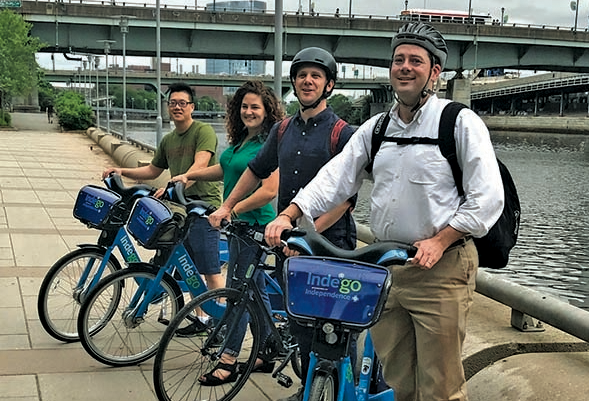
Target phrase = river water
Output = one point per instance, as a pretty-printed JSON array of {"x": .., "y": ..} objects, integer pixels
[{"x": 552, "y": 178}]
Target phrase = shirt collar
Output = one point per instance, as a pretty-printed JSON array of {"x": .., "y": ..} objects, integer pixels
[
  {"x": 318, "y": 119},
  {"x": 418, "y": 117}
]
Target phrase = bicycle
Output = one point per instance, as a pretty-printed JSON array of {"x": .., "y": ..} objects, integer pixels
[
  {"x": 124, "y": 316},
  {"x": 70, "y": 278},
  {"x": 353, "y": 289},
  {"x": 181, "y": 361}
]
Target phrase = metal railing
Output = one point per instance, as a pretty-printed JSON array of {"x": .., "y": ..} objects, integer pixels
[{"x": 522, "y": 300}]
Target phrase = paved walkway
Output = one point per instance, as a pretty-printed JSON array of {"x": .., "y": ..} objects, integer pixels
[{"x": 41, "y": 171}]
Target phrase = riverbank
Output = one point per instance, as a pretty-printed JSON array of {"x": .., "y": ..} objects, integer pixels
[{"x": 570, "y": 125}]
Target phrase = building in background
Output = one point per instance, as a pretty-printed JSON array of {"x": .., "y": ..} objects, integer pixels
[{"x": 236, "y": 67}]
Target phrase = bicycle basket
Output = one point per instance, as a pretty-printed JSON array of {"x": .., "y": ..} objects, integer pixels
[
  {"x": 352, "y": 293},
  {"x": 94, "y": 204},
  {"x": 153, "y": 224}
]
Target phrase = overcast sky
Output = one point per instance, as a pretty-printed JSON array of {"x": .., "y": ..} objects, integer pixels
[{"x": 538, "y": 12}]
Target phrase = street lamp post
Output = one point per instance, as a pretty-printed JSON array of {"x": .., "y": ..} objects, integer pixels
[
  {"x": 107, "y": 44},
  {"x": 576, "y": 14},
  {"x": 124, "y": 24},
  {"x": 89, "y": 57},
  {"x": 96, "y": 61},
  {"x": 158, "y": 119},
  {"x": 469, "y": 10}
]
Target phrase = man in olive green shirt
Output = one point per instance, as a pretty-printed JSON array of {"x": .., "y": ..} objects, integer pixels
[{"x": 192, "y": 144}]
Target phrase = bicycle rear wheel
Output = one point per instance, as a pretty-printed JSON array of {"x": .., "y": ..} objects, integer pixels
[
  {"x": 61, "y": 292},
  {"x": 323, "y": 387},
  {"x": 125, "y": 337},
  {"x": 182, "y": 359}
]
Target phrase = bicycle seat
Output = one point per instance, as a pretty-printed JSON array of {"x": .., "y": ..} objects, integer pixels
[
  {"x": 175, "y": 193},
  {"x": 383, "y": 253},
  {"x": 114, "y": 182}
]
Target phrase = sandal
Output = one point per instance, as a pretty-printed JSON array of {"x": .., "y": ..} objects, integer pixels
[
  {"x": 209, "y": 379},
  {"x": 264, "y": 367}
]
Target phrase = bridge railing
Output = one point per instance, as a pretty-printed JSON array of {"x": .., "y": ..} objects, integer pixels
[{"x": 317, "y": 14}]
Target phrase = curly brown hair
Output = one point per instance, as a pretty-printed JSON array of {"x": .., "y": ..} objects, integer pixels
[{"x": 274, "y": 112}]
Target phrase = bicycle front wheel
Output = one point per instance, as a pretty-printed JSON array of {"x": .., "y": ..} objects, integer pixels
[
  {"x": 131, "y": 325},
  {"x": 323, "y": 387},
  {"x": 64, "y": 287},
  {"x": 183, "y": 358}
]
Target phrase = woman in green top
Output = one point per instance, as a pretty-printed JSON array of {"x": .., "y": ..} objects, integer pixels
[{"x": 251, "y": 113}]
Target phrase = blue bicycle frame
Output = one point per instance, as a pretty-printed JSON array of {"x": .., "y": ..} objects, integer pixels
[{"x": 347, "y": 390}]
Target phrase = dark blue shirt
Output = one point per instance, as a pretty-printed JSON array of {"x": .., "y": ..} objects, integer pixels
[{"x": 300, "y": 154}]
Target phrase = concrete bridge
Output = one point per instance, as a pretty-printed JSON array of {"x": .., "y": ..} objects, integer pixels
[
  {"x": 77, "y": 26},
  {"x": 380, "y": 87}
]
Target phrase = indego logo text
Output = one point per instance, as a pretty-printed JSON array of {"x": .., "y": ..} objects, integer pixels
[{"x": 340, "y": 283}]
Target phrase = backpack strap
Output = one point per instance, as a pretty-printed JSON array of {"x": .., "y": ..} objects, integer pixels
[
  {"x": 377, "y": 137},
  {"x": 335, "y": 134},
  {"x": 336, "y": 131},
  {"x": 282, "y": 127},
  {"x": 447, "y": 141}
]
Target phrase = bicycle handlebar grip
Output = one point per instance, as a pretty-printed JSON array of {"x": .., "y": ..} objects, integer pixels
[
  {"x": 286, "y": 234},
  {"x": 411, "y": 251}
]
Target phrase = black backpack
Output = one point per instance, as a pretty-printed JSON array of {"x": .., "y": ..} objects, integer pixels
[{"x": 494, "y": 247}]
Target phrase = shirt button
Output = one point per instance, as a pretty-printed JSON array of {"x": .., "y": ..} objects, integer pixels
[
  {"x": 303, "y": 133},
  {"x": 296, "y": 171},
  {"x": 298, "y": 152}
]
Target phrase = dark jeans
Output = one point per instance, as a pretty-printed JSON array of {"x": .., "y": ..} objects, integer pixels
[
  {"x": 202, "y": 244},
  {"x": 241, "y": 255}
]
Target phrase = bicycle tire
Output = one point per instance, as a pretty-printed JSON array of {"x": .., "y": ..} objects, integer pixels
[
  {"x": 58, "y": 301},
  {"x": 125, "y": 340},
  {"x": 181, "y": 360},
  {"x": 323, "y": 387},
  {"x": 295, "y": 363}
]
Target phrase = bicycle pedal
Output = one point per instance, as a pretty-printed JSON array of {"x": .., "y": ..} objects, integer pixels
[{"x": 283, "y": 380}]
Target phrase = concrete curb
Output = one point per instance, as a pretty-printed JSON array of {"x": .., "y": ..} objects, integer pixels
[{"x": 126, "y": 155}]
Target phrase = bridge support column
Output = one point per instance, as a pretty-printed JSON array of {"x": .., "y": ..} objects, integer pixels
[
  {"x": 28, "y": 103},
  {"x": 165, "y": 113},
  {"x": 536, "y": 106},
  {"x": 492, "y": 107},
  {"x": 458, "y": 89},
  {"x": 562, "y": 100}
]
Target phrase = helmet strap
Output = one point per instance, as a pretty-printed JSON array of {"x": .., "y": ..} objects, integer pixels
[{"x": 315, "y": 103}]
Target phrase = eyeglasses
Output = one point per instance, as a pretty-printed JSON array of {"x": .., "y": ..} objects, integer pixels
[{"x": 181, "y": 103}]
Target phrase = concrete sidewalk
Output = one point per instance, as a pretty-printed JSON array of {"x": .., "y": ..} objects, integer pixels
[{"x": 41, "y": 171}]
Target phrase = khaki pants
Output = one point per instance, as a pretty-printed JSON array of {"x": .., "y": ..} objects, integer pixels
[{"x": 421, "y": 331}]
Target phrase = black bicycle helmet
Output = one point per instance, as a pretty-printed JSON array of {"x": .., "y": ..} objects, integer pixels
[
  {"x": 422, "y": 35},
  {"x": 315, "y": 55}
]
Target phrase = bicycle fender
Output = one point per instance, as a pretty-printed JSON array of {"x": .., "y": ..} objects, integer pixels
[
  {"x": 91, "y": 246},
  {"x": 325, "y": 366}
]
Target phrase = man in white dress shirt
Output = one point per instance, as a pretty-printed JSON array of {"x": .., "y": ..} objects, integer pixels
[{"x": 415, "y": 200}]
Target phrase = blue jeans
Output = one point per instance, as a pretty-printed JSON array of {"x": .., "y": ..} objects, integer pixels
[
  {"x": 241, "y": 254},
  {"x": 202, "y": 244}
]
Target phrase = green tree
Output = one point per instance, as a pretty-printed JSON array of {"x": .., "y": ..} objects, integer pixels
[
  {"x": 18, "y": 67},
  {"x": 47, "y": 92},
  {"x": 72, "y": 112},
  {"x": 341, "y": 105},
  {"x": 292, "y": 108},
  {"x": 360, "y": 110},
  {"x": 207, "y": 103}
]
